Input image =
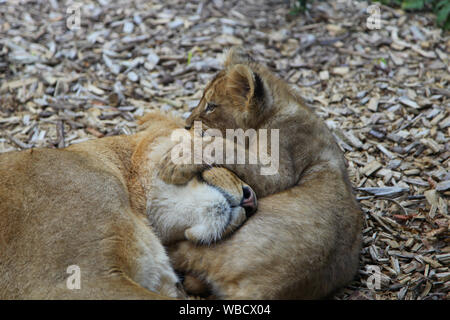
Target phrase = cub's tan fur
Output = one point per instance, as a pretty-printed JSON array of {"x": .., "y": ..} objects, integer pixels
[
  {"x": 100, "y": 206},
  {"x": 305, "y": 239}
]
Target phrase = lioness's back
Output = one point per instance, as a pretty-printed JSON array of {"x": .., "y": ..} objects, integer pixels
[{"x": 53, "y": 204}]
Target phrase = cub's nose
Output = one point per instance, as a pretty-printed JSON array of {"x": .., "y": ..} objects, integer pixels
[{"x": 249, "y": 202}]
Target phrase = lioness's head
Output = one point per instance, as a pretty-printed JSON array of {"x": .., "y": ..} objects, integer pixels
[
  {"x": 208, "y": 208},
  {"x": 240, "y": 96}
]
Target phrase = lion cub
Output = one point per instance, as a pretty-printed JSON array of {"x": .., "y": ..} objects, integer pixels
[
  {"x": 247, "y": 96},
  {"x": 305, "y": 239}
]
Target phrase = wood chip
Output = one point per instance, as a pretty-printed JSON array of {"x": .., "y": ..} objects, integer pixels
[
  {"x": 384, "y": 191},
  {"x": 371, "y": 167},
  {"x": 373, "y": 104},
  {"x": 408, "y": 102},
  {"x": 443, "y": 186}
]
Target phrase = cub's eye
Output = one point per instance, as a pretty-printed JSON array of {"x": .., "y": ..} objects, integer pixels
[{"x": 210, "y": 107}]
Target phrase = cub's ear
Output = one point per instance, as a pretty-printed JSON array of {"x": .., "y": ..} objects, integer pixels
[
  {"x": 236, "y": 55},
  {"x": 243, "y": 85}
]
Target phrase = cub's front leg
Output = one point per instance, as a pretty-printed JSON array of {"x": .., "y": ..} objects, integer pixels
[
  {"x": 205, "y": 152},
  {"x": 180, "y": 164},
  {"x": 172, "y": 172}
]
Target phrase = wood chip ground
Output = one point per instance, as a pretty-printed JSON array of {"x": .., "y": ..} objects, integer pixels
[{"x": 384, "y": 93}]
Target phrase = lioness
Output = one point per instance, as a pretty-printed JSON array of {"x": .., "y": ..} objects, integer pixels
[
  {"x": 100, "y": 206},
  {"x": 305, "y": 239}
]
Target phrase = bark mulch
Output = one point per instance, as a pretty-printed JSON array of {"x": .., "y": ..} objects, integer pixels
[{"x": 384, "y": 93}]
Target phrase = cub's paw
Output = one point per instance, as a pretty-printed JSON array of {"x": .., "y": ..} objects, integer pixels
[
  {"x": 194, "y": 286},
  {"x": 172, "y": 172}
]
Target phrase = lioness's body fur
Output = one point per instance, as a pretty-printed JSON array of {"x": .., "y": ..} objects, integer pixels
[
  {"x": 90, "y": 205},
  {"x": 305, "y": 239}
]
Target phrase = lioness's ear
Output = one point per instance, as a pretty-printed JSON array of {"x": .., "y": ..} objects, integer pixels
[
  {"x": 236, "y": 55},
  {"x": 243, "y": 85}
]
